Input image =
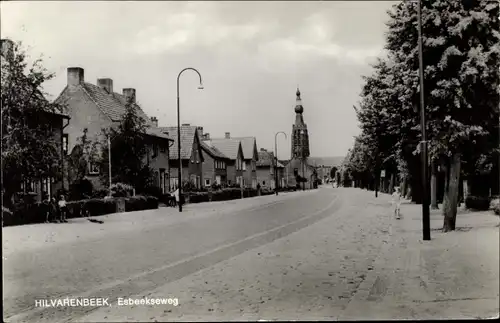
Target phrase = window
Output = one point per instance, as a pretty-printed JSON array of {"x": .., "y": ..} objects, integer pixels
[
  {"x": 155, "y": 150},
  {"x": 244, "y": 166},
  {"x": 174, "y": 181},
  {"x": 263, "y": 182},
  {"x": 93, "y": 168},
  {"x": 163, "y": 148},
  {"x": 207, "y": 182},
  {"x": 65, "y": 143}
]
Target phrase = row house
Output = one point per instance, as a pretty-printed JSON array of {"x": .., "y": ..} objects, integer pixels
[
  {"x": 98, "y": 108},
  {"x": 191, "y": 157},
  {"x": 57, "y": 121},
  {"x": 266, "y": 170},
  {"x": 250, "y": 153},
  {"x": 234, "y": 163},
  {"x": 214, "y": 165}
]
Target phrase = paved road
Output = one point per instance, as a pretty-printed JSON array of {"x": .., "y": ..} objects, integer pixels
[
  {"x": 316, "y": 255},
  {"x": 127, "y": 263}
]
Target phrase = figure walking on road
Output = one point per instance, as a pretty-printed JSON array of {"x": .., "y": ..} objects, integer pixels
[{"x": 396, "y": 202}]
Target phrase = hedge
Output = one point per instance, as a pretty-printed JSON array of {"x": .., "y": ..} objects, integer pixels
[
  {"x": 479, "y": 203},
  {"x": 34, "y": 213}
]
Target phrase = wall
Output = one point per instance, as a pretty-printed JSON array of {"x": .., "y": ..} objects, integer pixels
[
  {"x": 264, "y": 175},
  {"x": 84, "y": 114},
  {"x": 297, "y": 163}
]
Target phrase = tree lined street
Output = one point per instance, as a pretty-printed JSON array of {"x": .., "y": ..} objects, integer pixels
[{"x": 272, "y": 258}]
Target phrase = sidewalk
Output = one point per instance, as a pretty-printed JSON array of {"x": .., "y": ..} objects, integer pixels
[
  {"x": 455, "y": 275},
  {"x": 34, "y": 236}
]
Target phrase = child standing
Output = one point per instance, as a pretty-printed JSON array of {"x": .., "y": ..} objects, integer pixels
[
  {"x": 62, "y": 208},
  {"x": 396, "y": 202}
]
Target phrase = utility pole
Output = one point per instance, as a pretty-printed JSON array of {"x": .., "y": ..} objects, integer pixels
[{"x": 425, "y": 201}]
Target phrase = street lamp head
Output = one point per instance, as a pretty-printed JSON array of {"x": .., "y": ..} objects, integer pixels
[{"x": 200, "y": 87}]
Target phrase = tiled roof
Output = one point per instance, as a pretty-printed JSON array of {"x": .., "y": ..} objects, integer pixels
[
  {"x": 187, "y": 138},
  {"x": 266, "y": 159},
  {"x": 247, "y": 144},
  {"x": 212, "y": 150},
  {"x": 228, "y": 147},
  {"x": 112, "y": 104}
]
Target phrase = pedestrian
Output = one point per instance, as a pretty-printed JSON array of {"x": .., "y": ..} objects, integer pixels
[
  {"x": 396, "y": 202},
  {"x": 63, "y": 209},
  {"x": 46, "y": 208},
  {"x": 53, "y": 209}
]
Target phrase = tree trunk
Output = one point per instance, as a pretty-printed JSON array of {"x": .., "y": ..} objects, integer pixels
[
  {"x": 451, "y": 194},
  {"x": 391, "y": 185},
  {"x": 434, "y": 203},
  {"x": 404, "y": 187}
]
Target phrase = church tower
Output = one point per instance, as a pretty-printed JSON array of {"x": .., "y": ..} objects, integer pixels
[{"x": 300, "y": 137}]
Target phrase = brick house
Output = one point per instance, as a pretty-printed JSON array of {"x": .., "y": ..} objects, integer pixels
[
  {"x": 234, "y": 151},
  {"x": 57, "y": 121},
  {"x": 265, "y": 170},
  {"x": 97, "y": 108},
  {"x": 191, "y": 155},
  {"x": 249, "y": 145},
  {"x": 214, "y": 165}
]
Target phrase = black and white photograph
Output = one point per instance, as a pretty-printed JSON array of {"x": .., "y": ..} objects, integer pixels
[{"x": 206, "y": 161}]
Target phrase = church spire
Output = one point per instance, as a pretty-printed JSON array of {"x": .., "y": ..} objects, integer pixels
[{"x": 298, "y": 105}]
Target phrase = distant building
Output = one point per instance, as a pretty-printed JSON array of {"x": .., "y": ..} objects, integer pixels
[
  {"x": 249, "y": 145},
  {"x": 265, "y": 170},
  {"x": 298, "y": 167},
  {"x": 215, "y": 164},
  {"x": 191, "y": 155},
  {"x": 233, "y": 149}
]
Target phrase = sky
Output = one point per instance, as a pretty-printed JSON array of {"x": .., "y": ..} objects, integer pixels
[{"x": 252, "y": 56}]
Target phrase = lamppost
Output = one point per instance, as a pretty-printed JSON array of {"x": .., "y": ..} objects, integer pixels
[
  {"x": 179, "y": 168},
  {"x": 276, "y": 161},
  {"x": 426, "y": 225}
]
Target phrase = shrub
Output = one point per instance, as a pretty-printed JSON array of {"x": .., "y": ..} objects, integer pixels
[
  {"x": 121, "y": 190},
  {"x": 199, "y": 197},
  {"x": 140, "y": 202},
  {"x": 153, "y": 191},
  {"x": 496, "y": 209},
  {"x": 95, "y": 206},
  {"x": 266, "y": 191},
  {"x": 479, "y": 203},
  {"x": 100, "y": 193},
  {"x": 80, "y": 189}
]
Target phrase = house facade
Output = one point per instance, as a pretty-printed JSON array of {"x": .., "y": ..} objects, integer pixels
[
  {"x": 233, "y": 150},
  {"x": 251, "y": 155},
  {"x": 98, "y": 108},
  {"x": 215, "y": 165},
  {"x": 191, "y": 159},
  {"x": 265, "y": 170},
  {"x": 57, "y": 121}
]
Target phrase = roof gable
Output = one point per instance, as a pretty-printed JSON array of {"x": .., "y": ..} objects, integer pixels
[
  {"x": 229, "y": 147},
  {"x": 249, "y": 145},
  {"x": 112, "y": 104},
  {"x": 212, "y": 151},
  {"x": 188, "y": 135}
]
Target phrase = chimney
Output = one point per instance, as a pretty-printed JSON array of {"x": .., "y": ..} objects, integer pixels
[
  {"x": 228, "y": 135},
  {"x": 206, "y": 136},
  {"x": 7, "y": 47},
  {"x": 154, "y": 120},
  {"x": 75, "y": 76},
  {"x": 185, "y": 125},
  {"x": 106, "y": 84},
  {"x": 128, "y": 93}
]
